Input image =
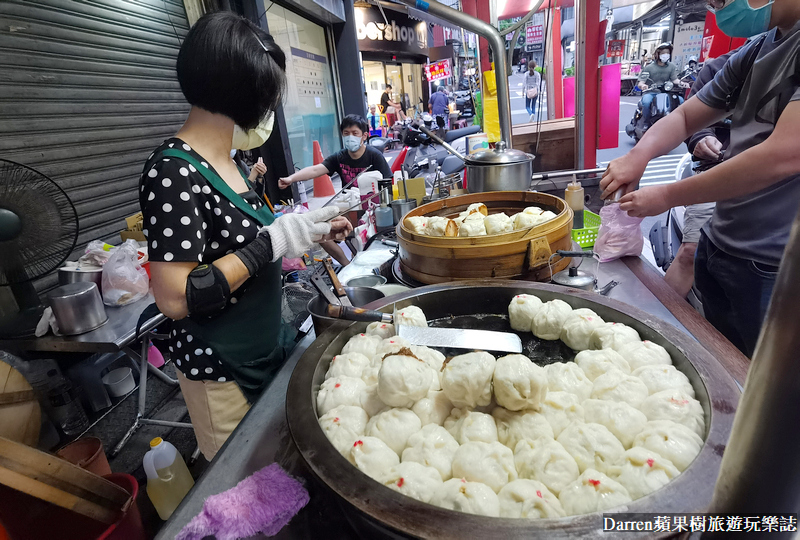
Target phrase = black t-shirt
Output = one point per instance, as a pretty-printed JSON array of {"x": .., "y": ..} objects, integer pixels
[
  {"x": 187, "y": 220},
  {"x": 384, "y": 101},
  {"x": 348, "y": 168}
]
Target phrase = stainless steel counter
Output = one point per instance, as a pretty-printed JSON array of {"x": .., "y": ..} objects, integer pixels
[{"x": 263, "y": 437}]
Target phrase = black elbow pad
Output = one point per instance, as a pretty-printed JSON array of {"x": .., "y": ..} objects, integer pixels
[{"x": 207, "y": 290}]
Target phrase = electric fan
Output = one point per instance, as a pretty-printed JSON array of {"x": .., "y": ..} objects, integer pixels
[{"x": 38, "y": 231}]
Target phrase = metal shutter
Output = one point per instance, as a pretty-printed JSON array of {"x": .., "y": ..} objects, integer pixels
[{"x": 87, "y": 91}]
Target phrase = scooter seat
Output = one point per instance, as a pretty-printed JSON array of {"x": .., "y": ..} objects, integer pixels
[
  {"x": 454, "y": 134},
  {"x": 379, "y": 143}
]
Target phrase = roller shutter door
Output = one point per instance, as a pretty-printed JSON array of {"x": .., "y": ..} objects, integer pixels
[{"x": 87, "y": 91}]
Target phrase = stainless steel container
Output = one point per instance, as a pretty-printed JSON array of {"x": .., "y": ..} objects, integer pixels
[
  {"x": 77, "y": 307},
  {"x": 499, "y": 169},
  {"x": 401, "y": 207},
  {"x": 359, "y": 296},
  {"x": 377, "y": 511},
  {"x": 367, "y": 280},
  {"x": 74, "y": 275}
]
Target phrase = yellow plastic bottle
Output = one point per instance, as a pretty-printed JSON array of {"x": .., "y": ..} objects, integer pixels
[{"x": 168, "y": 478}]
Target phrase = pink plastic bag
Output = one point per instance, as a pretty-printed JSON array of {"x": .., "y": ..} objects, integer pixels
[
  {"x": 124, "y": 280},
  {"x": 620, "y": 235}
]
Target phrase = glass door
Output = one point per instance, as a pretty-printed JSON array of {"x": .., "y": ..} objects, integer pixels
[
  {"x": 394, "y": 76},
  {"x": 412, "y": 78}
]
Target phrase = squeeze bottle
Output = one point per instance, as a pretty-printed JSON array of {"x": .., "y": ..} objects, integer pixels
[
  {"x": 574, "y": 197},
  {"x": 168, "y": 478}
]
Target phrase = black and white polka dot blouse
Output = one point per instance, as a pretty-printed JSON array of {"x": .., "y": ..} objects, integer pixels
[{"x": 187, "y": 220}]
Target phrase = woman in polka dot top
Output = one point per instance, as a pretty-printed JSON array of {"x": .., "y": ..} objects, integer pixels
[{"x": 214, "y": 248}]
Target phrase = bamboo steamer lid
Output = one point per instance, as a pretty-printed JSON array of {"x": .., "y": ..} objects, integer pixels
[{"x": 20, "y": 414}]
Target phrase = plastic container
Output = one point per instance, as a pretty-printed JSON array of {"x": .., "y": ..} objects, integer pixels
[
  {"x": 119, "y": 382},
  {"x": 87, "y": 453},
  {"x": 574, "y": 197},
  {"x": 586, "y": 236},
  {"x": 168, "y": 478},
  {"x": 154, "y": 356},
  {"x": 66, "y": 409}
]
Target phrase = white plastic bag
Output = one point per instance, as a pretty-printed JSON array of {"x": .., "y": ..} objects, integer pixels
[
  {"x": 620, "y": 235},
  {"x": 124, "y": 280}
]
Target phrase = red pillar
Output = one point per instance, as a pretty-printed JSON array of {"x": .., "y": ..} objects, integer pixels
[
  {"x": 558, "y": 65},
  {"x": 593, "y": 40},
  {"x": 480, "y": 10}
]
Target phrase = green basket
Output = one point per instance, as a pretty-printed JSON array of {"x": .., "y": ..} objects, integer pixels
[{"x": 586, "y": 237}]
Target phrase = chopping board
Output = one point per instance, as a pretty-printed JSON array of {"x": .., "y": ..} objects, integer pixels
[{"x": 20, "y": 414}]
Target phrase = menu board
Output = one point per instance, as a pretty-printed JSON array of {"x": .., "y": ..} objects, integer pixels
[{"x": 309, "y": 71}]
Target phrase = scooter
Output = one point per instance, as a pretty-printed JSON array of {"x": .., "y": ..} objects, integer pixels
[
  {"x": 424, "y": 154},
  {"x": 667, "y": 98}
]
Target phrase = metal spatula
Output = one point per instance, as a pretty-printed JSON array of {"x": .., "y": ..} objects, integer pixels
[{"x": 455, "y": 338}]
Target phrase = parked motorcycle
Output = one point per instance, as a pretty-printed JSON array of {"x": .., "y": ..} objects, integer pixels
[
  {"x": 424, "y": 153},
  {"x": 668, "y": 97}
]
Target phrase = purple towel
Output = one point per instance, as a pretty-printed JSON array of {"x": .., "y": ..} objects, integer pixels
[{"x": 261, "y": 503}]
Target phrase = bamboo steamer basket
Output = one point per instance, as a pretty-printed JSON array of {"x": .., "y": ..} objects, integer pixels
[{"x": 518, "y": 254}]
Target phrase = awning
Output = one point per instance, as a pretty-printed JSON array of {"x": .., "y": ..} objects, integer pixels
[{"x": 508, "y": 9}]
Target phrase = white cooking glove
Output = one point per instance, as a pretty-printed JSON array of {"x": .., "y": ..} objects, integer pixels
[{"x": 293, "y": 234}]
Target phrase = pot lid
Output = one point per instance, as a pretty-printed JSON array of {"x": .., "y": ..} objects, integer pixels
[
  {"x": 499, "y": 155},
  {"x": 575, "y": 278}
]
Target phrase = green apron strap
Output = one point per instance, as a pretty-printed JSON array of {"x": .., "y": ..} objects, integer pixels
[{"x": 221, "y": 186}]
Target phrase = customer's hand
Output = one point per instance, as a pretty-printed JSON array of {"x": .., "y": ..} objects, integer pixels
[
  {"x": 648, "y": 201},
  {"x": 625, "y": 171},
  {"x": 284, "y": 183},
  {"x": 260, "y": 168},
  {"x": 709, "y": 148},
  {"x": 340, "y": 228}
]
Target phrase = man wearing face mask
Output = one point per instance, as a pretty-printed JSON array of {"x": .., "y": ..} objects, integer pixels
[
  {"x": 658, "y": 72},
  {"x": 353, "y": 159},
  {"x": 757, "y": 185}
]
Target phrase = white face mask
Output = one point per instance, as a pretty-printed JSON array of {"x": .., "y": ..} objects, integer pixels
[
  {"x": 664, "y": 58},
  {"x": 252, "y": 138},
  {"x": 351, "y": 143}
]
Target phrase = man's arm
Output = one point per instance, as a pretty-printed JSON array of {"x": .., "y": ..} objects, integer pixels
[
  {"x": 306, "y": 173},
  {"x": 756, "y": 168},
  {"x": 661, "y": 138}
]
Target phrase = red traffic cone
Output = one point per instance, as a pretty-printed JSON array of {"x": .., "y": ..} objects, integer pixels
[{"x": 323, "y": 187}]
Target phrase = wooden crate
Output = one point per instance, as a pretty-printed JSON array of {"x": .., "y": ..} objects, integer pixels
[{"x": 556, "y": 143}]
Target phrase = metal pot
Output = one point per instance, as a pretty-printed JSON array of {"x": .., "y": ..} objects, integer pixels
[
  {"x": 77, "y": 307},
  {"x": 75, "y": 275},
  {"x": 373, "y": 508},
  {"x": 401, "y": 207},
  {"x": 498, "y": 169},
  {"x": 359, "y": 296},
  {"x": 367, "y": 280}
]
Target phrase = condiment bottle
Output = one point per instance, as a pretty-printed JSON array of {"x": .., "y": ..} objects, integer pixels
[
  {"x": 383, "y": 214},
  {"x": 168, "y": 478},
  {"x": 574, "y": 197}
]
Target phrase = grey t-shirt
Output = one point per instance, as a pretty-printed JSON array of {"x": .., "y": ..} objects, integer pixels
[
  {"x": 654, "y": 74},
  {"x": 756, "y": 226}
]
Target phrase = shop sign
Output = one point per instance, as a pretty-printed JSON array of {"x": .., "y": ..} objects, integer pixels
[
  {"x": 615, "y": 48},
  {"x": 438, "y": 70},
  {"x": 534, "y": 33},
  {"x": 400, "y": 35}
]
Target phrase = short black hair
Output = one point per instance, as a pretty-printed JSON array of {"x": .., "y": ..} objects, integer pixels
[
  {"x": 388, "y": 86},
  {"x": 354, "y": 120},
  {"x": 227, "y": 65}
]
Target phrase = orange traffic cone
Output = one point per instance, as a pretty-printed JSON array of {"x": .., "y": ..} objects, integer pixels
[{"x": 323, "y": 187}]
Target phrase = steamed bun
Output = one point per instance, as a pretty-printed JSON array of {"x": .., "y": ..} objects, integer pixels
[
  {"x": 404, "y": 380},
  {"x": 488, "y": 463},
  {"x": 519, "y": 383},
  {"x": 675, "y": 442},
  {"x": 549, "y": 320},
  {"x": 528, "y": 499},
  {"x": 413, "y": 480},
  {"x": 372, "y": 456},
  {"x": 612, "y": 335},
  {"x": 678, "y": 406},
  {"x": 578, "y": 327},
  {"x": 433, "y": 408},
  {"x": 643, "y": 471},
  {"x": 363, "y": 344},
  {"x": 512, "y": 426},
  {"x": 663, "y": 377},
  {"x": 592, "y": 445},
  {"x": 347, "y": 365},
  {"x": 470, "y": 426},
  {"x": 411, "y": 316},
  {"x": 521, "y": 311},
  {"x": 380, "y": 329},
  {"x": 597, "y": 362},
  {"x": 370, "y": 401},
  {"x": 624, "y": 421},
  {"x": 432, "y": 446},
  {"x": 614, "y": 385},
  {"x": 644, "y": 353},
  {"x": 561, "y": 409},
  {"x": 339, "y": 391},
  {"x": 468, "y": 497},
  {"x": 568, "y": 377},
  {"x": 498, "y": 224},
  {"x": 467, "y": 379},
  {"x": 593, "y": 491},
  {"x": 394, "y": 427},
  {"x": 546, "y": 460},
  {"x": 343, "y": 425}
]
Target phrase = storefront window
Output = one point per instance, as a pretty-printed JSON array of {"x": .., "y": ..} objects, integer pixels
[
  {"x": 412, "y": 78},
  {"x": 375, "y": 81},
  {"x": 310, "y": 103}
]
